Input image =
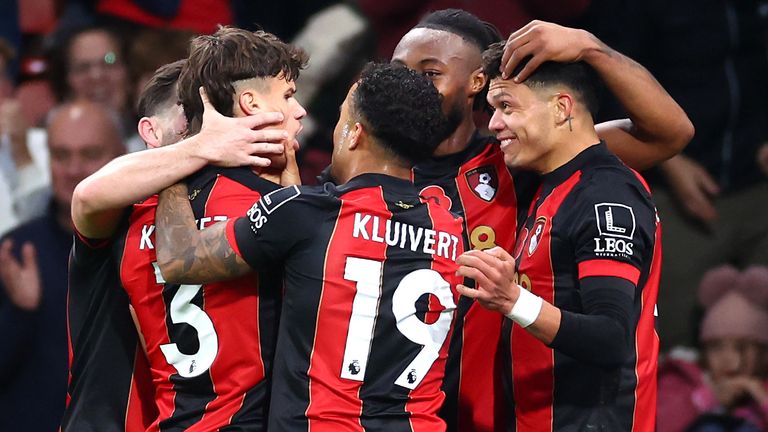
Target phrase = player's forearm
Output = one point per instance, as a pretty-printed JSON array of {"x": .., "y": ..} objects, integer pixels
[
  {"x": 186, "y": 255},
  {"x": 593, "y": 339},
  {"x": 601, "y": 333},
  {"x": 99, "y": 200},
  {"x": 658, "y": 123}
]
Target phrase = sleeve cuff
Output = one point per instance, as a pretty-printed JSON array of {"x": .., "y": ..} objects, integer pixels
[{"x": 609, "y": 268}]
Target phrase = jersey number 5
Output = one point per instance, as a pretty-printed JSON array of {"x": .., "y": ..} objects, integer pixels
[
  {"x": 367, "y": 275},
  {"x": 182, "y": 310}
]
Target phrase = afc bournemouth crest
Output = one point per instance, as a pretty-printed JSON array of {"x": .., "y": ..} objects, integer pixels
[
  {"x": 536, "y": 234},
  {"x": 484, "y": 182}
]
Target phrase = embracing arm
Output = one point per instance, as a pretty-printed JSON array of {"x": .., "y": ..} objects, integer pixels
[
  {"x": 600, "y": 335},
  {"x": 186, "y": 255},
  {"x": 99, "y": 200},
  {"x": 657, "y": 128}
]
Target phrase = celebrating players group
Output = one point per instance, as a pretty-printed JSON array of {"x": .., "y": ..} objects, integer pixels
[{"x": 437, "y": 279}]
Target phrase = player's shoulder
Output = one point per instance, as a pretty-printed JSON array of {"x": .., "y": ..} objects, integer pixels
[
  {"x": 608, "y": 176},
  {"x": 209, "y": 176},
  {"x": 298, "y": 196}
]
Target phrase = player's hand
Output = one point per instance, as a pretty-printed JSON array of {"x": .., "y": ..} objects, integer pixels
[
  {"x": 692, "y": 185},
  {"x": 227, "y": 141},
  {"x": 762, "y": 158},
  {"x": 290, "y": 175},
  {"x": 20, "y": 279},
  {"x": 543, "y": 41},
  {"x": 493, "y": 271}
]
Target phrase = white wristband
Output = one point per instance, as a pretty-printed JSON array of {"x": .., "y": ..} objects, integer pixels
[{"x": 526, "y": 308}]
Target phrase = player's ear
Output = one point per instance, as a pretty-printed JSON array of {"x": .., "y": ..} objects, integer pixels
[
  {"x": 150, "y": 132},
  {"x": 478, "y": 80},
  {"x": 563, "y": 109},
  {"x": 355, "y": 135},
  {"x": 248, "y": 102}
]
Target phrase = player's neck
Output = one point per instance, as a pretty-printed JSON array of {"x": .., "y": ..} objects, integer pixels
[
  {"x": 569, "y": 145},
  {"x": 376, "y": 164},
  {"x": 459, "y": 139}
]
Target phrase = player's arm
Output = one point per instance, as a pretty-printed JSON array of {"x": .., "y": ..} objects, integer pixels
[
  {"x": 185, "y": 254},
  {"x": 98, "y": 201},
  {"x": 600, "y": 333},
  {"x": 657, "y": 128},
  {"x": 258, "y": 241}
]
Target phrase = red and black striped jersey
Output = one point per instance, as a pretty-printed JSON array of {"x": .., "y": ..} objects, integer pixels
[
  {"x": 368, "y": 306},
  {"x": 109, "y": 386},
  {"x": 209, "y": 346},
  {"x": 591, "y": 218},
  {"x": 476, "y": 185}
]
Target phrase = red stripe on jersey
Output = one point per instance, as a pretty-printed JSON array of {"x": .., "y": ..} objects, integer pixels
[
  {"x": 334, "y": 402},
  {"x": 532, "y": 361},
  {"x": 425, "y": 400},
  {"x": 141, "y": 410},
  {"x": 231, "y": 236},
  {"x": 233, "y": 307},
  {"x": 647, "y": 347},
  {"x": 70, "y": 351},
  {"x": 489, "y": 223},
  {"x": 600, "y": 267}
]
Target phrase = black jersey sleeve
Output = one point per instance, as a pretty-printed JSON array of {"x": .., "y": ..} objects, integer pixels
[
  {"x": 272, "y": 227},
  {"x": 601, "y": 335},
  {"x": 613, "y": 226}
]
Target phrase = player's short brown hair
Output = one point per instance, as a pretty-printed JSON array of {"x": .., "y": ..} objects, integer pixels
[
  {"x": 160, "y": 91},
  {"x": 231, "y": 54}
]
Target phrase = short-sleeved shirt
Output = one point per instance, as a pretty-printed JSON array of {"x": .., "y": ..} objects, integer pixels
[
  {"x": 209, "y": 346},
  {"x": 476, "y": 185},
  {"x": 368, "y": 305},
  {"x": 592, "y": 217}
]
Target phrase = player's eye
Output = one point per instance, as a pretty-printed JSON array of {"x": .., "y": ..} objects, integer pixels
[{"x": 431, "y": 74}]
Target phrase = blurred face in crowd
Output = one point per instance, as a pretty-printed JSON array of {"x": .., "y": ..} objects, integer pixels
[
  {"x": 82, "y": 137},
  {"x": 730, "y": 357},
  {"x": 95, "y": 70},
  {"x": 450, "y": 62},
  {"x": 273, "y": 94}
]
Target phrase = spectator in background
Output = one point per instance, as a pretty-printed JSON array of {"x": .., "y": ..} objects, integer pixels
[
  {"x": 90, "y": 63},
  {"x": 21, "y": 181},
  {"x": 726, "y": 390},
  {"x": 83, "y": 136},
  {"x": 711, "y": 57}
]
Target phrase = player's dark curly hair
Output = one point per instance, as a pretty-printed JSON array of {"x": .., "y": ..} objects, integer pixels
[
  {"x": 401, "y": 109},
  {"x": 231, "y": 54},
  {"x": 471, "y": 28},
  {"x": 578, "y": 76},
  {"x": 160, "y": 91}
]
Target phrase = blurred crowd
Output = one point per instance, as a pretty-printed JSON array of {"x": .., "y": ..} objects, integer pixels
[{"x": 70, "y": 71}]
